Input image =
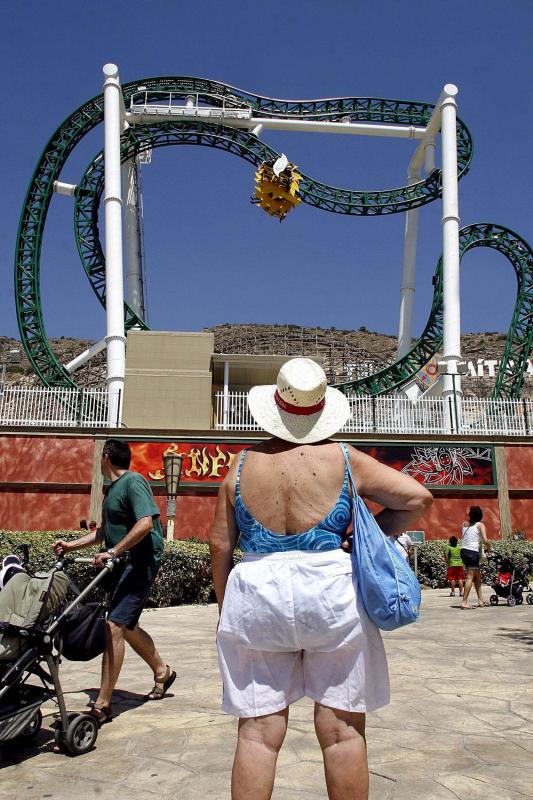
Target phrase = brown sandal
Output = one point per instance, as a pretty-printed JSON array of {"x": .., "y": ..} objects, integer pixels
[
  {"x": 157, "y": 693},
  {"x": 102, "y": 714}
]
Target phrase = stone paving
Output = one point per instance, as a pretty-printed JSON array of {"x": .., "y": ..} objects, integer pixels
[{"x": 460, "y": 724}]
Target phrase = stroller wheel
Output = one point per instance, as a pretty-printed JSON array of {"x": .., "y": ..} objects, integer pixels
[
  {"x": 81, "y": 734},
  {"x": 493, "y": 599},
  {"x": 529, "y": 599},
  {"x": 511, "y": 600},
  {"x": 33, "y": 727}
]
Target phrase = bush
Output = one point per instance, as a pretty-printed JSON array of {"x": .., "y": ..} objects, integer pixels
[
  {"x": 185, "y": 574},
  {"x": 184, "y": 577},
  {"x": 432, "y": 570}
]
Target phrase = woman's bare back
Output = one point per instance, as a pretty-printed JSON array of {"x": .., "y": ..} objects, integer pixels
[{"x": 289, "y": 489}]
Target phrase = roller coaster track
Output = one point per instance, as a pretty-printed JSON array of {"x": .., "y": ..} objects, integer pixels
[
  {"x": 245, "y": 145},
  {"x": 510, "y": 377}
]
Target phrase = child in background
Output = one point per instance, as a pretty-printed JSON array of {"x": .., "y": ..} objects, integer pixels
[{"x": 454, "y": 561}]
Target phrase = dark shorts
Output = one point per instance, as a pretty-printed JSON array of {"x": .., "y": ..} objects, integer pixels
[
  {"x": 131, "y": 593},
  {"x": 470, "y": 558}
]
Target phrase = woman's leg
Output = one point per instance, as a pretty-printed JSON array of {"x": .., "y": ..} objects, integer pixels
[
  {"x": 258, "y": 745},
  {"x": 477, "y": 584},
  {"x": 468, "y": 585},
  {"x": 452, "y": 586},
  {"x": 461, "y": 587},
  {"x": 341, "y": 735}
]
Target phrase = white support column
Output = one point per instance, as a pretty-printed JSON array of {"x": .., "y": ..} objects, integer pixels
[
  {"x": 82, "y": 359},
  {"x": 225, "y": 404},
  {"x": 407, "y": 289},
  {"x": 115, "y": 337},
  {"x": 450, "y": 244},
  {"x": 132, "y": 236}
]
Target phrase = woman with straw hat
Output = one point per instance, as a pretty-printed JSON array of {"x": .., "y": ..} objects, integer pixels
[{"x": 291, "y": 623}]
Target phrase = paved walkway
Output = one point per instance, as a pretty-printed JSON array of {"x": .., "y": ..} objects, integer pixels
[{"x": 460, "y": 724}]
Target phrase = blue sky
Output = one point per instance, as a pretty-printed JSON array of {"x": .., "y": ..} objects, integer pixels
[{"x": 212, "y": 257}]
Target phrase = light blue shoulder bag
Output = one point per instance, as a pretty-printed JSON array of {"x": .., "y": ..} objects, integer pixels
[{"x": 387, "y": 584}]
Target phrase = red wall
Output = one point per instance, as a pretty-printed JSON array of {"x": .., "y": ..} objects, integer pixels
[
  {"x": 42, "y": 510},
  {"x": 45, "y": 481},
  {"x": 45, "y": 484},
  {"x": 45, "y": 459},
  {"x": 519, "y": 461},
  {"x": 194, "y": 514}
]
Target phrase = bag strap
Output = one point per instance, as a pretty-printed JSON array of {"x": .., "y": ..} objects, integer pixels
[
  {"x": 355, "y": 495},
  {"x": 348, "y": 468}
]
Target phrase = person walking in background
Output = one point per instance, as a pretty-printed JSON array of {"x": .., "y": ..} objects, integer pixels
[
  {"x": 404, "y": 545},
  {"x": 474, "y": 535},
  {"x": 130, "y": 524},
  {"x": 455, "y": 565},
  {"x": 291, "y": 621}
]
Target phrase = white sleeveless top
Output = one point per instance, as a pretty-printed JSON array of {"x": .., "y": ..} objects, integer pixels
[{"x": 471, "y": 537}]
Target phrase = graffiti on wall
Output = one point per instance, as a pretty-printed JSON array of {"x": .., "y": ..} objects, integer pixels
[
  {"x": 451, "y": 466},
  {"x": 438, "y": 465},
  {"x": 208, "y": 463}
]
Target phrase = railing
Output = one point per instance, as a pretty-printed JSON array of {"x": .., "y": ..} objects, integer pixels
[
  {"x": 88, "y": 408},
  {"x": 187, "y": 104},
  {"x": 54, "y": 407},
  {"x": 395, "y": 414}
]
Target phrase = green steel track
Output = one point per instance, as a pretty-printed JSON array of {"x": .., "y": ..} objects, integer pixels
[
  {"x": 513, "y": 364},
  {"x": 247, "y": 146}
]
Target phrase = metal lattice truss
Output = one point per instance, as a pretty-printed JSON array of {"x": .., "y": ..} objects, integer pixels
[{"x": 143, "y": 137}]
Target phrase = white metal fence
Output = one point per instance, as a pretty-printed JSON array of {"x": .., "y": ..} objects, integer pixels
[
  {"x": 54, "y": 407},
  {"x": 392, "y": 414},
  {"x": 57, "y": 407}
]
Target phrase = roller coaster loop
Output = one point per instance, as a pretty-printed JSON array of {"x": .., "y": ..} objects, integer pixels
[{"x": 244, "y": 144}]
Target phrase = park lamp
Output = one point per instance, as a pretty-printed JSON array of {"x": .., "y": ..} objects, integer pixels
[
  {"x": 172, "y": 467},
  {"x": 452, "y": 367}
]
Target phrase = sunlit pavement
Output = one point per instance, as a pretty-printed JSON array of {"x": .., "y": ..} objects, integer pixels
[{"x": 460, "y": 724}]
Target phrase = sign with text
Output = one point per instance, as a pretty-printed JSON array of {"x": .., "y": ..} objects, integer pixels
[{"x": 207, "y": 464}]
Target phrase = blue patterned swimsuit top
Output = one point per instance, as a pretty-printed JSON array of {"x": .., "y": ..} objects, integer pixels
[{"x": 325, "y": 535}]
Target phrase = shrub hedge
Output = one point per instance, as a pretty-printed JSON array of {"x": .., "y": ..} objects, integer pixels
[
  {"x": 432, "y": 567},
  {"x": 185, "y": 574},
  {"x": 184, "y": 577}
]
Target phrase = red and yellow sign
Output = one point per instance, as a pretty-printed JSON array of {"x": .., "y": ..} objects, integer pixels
[
  {"x": 208, "y": 463},
  {"x": 202, "y": 463}
]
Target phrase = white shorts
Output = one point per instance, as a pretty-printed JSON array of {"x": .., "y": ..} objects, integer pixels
[{"x": 292, "y": 625}]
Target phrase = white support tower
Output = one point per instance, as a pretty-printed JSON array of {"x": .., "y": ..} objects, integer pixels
[
  {"x": 407, "y": 289},
  {"x": 132, "y": 236},
  {"x": 424, "y": 156},
  {"x": 115, "y": 336},
  {"x": 450, "y": 246}
]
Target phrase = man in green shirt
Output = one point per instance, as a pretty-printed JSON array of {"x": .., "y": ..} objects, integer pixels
[{"x": 130, "y": 523}]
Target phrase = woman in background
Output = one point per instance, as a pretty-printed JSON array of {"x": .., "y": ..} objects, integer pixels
[{"x": 474, "y": 535}]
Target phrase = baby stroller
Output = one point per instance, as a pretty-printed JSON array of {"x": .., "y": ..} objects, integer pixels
[
  {"x": 510, "y": 583},
  {"x": 33, "y": 616}
]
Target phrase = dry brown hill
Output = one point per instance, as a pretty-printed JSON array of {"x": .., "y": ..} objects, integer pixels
[{"x": 362, "y": 350}]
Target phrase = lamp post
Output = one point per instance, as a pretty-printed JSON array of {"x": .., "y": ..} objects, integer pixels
[{"x": 172, "y": 468}]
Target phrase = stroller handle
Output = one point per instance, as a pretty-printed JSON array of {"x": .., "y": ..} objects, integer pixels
[{"x": 109, "y": 564}]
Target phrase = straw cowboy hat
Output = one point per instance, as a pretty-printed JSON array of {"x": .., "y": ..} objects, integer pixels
[{"x": 300, "y": 407}]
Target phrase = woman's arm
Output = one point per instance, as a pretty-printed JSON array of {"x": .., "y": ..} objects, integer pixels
[
  {"x": 223, "y": 537},
  {"x": 483, "y": 532},
  {"x": 403, "y": 498}
]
